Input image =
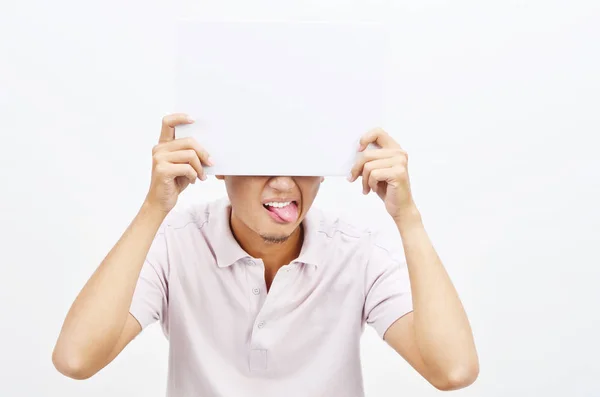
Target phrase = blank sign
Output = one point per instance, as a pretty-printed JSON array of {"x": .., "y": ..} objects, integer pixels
[{"x": 280, "y": 98}]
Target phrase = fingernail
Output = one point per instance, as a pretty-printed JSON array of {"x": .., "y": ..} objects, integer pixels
[
  {"x": 349, "y": 177},
  {"x": 190, "y": 119},
  {"x": 209, "y": 161}
]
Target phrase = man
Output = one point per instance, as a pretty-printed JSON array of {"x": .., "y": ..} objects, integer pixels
[{"x": 260, "y": 295}]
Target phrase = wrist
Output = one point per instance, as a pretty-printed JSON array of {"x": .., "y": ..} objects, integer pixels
[
  {"x": 152, "y": 213},
  {"x": 408, "y": 217}
]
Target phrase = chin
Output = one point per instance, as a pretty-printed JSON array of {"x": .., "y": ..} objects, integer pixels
[
  {"x": 277, "y": 233},
  {"x": 274, "y": 239}
]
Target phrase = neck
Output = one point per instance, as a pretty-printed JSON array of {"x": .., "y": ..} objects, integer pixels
[{"x": 273, "y": 255}]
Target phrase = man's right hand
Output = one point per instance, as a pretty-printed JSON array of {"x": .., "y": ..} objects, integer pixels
[{"x": 175, "y": 164}]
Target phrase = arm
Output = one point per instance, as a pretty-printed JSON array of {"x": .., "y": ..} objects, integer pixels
[
  {"x": 436, "y": 338},
  {"x": 99, "y": 323}
]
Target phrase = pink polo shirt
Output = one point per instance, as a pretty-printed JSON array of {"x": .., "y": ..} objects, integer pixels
[{"x": 229, "y": 338}]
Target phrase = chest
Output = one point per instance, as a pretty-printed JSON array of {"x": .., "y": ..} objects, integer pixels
[{"x": 267, "y": 321}]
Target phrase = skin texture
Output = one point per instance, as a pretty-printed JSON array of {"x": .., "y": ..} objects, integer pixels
[{"x": 435, "y": 339}]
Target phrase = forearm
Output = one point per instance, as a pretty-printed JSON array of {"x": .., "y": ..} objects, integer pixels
[
  {"x": 96, "y": 318},
  {"x": 442, "y": 330}
]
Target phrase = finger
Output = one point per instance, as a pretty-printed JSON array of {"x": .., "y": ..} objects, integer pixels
[
  {"x": 185, "y": 144},
  {"x": 377, "y": 136},
  {"x": 373, "y": 166},
  {"x": 167, "y": 132},
  {"x": 390, "y": 175},
  {"x": 187, "y": 157},
  {"x": 377, "y": 176},
  {"x": 371, "y": 155},
  {"x": 182, "y": 182},
  {"x": 183, "y": 170}
]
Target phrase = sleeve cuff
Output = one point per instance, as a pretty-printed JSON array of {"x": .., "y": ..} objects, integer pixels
[
  {"x": 141, "y": 314},
  {"x": 384, "y": 323}
]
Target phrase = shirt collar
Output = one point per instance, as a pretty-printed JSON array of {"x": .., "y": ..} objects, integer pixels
[{"x": 228, "y": 251}]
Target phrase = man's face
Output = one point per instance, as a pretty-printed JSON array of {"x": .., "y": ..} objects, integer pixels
[{"x": 272, "y": 207}]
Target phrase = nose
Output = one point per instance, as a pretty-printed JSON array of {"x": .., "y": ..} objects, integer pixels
[{"x": 282, "y": 183}]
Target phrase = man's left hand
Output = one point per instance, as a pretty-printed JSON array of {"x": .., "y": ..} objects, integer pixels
[{"x": 385, "y": 171}]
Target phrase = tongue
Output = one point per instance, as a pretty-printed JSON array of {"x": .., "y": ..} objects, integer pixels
[{"x": 289, "y": 213}]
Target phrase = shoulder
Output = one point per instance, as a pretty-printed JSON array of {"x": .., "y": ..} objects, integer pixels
[
  {"x": 192, "y": 225},
  {"x": 334, "y": 226},
  {"x": 366, "y": 240},
  {"x": 195, "y": 216}
]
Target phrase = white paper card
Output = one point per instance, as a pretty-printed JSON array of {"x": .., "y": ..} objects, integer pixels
[{"x": 280, "y": 98}]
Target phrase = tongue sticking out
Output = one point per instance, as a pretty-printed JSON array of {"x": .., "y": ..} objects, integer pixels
[{"x": 289, "y": 213}]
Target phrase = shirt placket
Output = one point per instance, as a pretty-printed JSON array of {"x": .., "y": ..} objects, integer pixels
[{"x": 261, "y": 307}]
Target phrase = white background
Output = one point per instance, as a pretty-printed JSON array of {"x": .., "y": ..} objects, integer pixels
[{"x": 497, "y": 104}]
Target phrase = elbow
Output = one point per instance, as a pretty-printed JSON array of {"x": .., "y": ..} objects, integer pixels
[
  {"x": 71, "y": 365},
  {"x": 458, "y": 378}
]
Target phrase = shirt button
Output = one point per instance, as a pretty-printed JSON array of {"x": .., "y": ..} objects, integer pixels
[
  {"x": 256, "y": 291},
  {"x": 261, "y": 324}
]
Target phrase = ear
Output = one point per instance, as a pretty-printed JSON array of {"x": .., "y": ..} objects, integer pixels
[{"x": 220, "y": 177}]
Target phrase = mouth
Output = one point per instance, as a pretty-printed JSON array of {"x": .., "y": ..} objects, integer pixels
[{"x": 282, "y": 211}]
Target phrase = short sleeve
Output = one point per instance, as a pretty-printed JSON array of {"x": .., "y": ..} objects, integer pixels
[
  {"x": 150, "y": 298},
  {"x": 387, "y": 289}
]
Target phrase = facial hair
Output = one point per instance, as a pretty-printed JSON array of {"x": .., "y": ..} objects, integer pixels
[{"x": 274, "y": 239}]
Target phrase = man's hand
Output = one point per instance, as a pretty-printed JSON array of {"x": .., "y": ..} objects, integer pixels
[
  {"x": 385, "y": 171},
  {"x": 175, "y": 164}
]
